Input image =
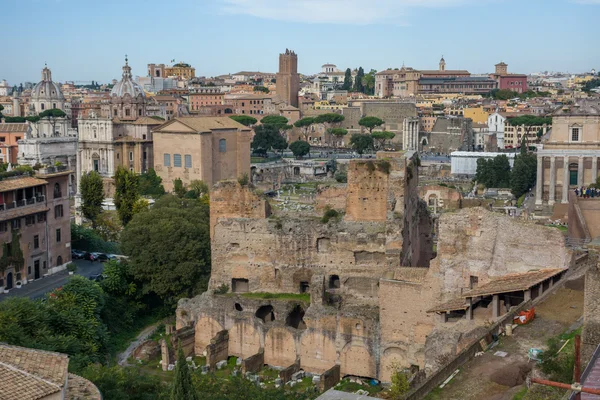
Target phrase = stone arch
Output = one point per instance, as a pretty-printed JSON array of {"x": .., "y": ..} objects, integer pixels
[
  {"x": 280, "y": 347},
  {"x": 390, "y": 356},
  {"x": 206, "y": 328},
  {"x": 317, "y": 351},
  {"x": 356, "y": 360},
  {"x": 244, "y": 340}
]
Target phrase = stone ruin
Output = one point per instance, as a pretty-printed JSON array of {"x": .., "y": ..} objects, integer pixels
[{"x": 369, "y": 273}]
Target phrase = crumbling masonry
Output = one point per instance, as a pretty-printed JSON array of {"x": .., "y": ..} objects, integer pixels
[{"x": 368, "y": 274}]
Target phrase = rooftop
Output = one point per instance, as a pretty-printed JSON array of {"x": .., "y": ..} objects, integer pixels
[
  {"x": 199, "y": 124},
  {"x": 513, "y": 282},
  {"x": 16, "y": 128},
  {"x": 20, "y": 183},
  {"x": 445, "y": 72},
  {"x": 29, "y": 374}
]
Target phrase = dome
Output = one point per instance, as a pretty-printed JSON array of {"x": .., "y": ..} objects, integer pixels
[
  {"x": 126, "y": 85},
  {"x": 46, "y": 89}
]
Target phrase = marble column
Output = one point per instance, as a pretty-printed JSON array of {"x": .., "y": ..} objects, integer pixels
[
  {"x": 552, "y": 194},
  {"x": 539, "y": 187},
  {"x": 566, "y": 179},
  {"x": 580, "y": 172},
  {"x": 594, "y": 169}
]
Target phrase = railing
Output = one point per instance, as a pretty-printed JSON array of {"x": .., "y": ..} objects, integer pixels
[
  {"x": 588, "y": 370},
  {"x": 22, "y": 203},
  {"x": 576, "y": 242}
]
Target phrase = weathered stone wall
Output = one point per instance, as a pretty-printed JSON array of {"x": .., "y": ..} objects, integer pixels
[
  {"x": 591, "y": 313},
  {"x": 329, "y": 378},
  {"x": 441, "y": 197},
  {"x": 333, "y": 197},
  {"x": 480, "y": 243},
  {"x": 229, "y": 199},
  {"x": 254, "y": 363},
  {"x": 218, "y": 349}
]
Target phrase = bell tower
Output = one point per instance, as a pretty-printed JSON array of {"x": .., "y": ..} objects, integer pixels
[{"x": 442, "y": 64}]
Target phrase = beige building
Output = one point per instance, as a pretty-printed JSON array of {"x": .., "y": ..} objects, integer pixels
[
  {"x": 210, "y": 149},
  {"x": 568, "y": 155}
]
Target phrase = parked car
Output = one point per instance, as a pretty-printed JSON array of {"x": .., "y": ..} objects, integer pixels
[
  {"x": 90, "y": 256},
  {"x": 77, "y": 254},
  {"x": 97, "y": 277},
  {"x": 101, "y": 257}
]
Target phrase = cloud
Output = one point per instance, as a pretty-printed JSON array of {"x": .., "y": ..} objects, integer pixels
[{"x": 356, "y": 12}]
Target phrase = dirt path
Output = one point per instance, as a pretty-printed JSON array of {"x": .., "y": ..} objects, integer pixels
[{"x": 124, "y": 356}]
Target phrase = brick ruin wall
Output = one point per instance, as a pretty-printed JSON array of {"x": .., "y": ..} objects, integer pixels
[{"x": 375, "y": 315}]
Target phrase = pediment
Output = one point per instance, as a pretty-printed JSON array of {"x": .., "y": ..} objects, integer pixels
[{"x": 176, "y": 126}]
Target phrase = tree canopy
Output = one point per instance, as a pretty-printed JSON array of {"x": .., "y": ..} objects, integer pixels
[
  {"x": 304, "y": 124},
  {"x": 494, "y": 172},
  {"x": 53, "y": 113},
  {"x": 529, "y": 120},
  {"x": 361, "y": 143},
  {"x": 267, "y": 138},
  {"x": 368, "y": 82},
  {"x": 92, "y": 195},
  {"x": 358, "y": 80},
  {"x": 245, "y": 120},
  {"x": 169, "y": 248},
  {"x": 524, "y": 172},
  {"x": 300, "y": 148},
  {"x": 261, "y": 89},
  {"x": 329, "y": 118},
  {"x": 347, "y": 80},
  {"x": 274, "y": 120},
  {"x": 126, "y": 193},
  {"x": 381, "y": 137},
  {"x": 182, "y": 388},
  {"x": 370, "y": 123},
  {"x": 150, "y": 184},
  {"x": 337, "y": 131}
]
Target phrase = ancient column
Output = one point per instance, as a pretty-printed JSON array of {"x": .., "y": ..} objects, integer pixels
[
  {"x": 552, "y": 180},
  {"x": 580, "y": 172},
  {"x": 539, "y": 187},
  {"x": 566, "y": 179},
  {"x": 594, "y": 169}
]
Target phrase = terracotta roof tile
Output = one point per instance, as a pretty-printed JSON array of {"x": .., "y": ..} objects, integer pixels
[
  {"x": 20, "y": 183},
  {"x": 513, "y": 282},
  {"x": 12, "y": 127}
]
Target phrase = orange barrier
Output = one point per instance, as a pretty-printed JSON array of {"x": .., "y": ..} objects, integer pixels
[{"x": 524, "y": 316}]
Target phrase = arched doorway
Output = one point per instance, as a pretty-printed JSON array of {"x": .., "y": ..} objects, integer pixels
[
  {"x": 59, "y": 261},
  {"x": 96, "y": 162},
  {"x": 9, "y": 281}
]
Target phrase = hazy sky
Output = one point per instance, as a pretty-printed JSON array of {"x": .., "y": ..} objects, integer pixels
[{"x": 84, "y": 40}]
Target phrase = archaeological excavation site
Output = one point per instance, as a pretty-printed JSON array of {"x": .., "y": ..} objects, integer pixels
[{"x": 359, "y": 280}]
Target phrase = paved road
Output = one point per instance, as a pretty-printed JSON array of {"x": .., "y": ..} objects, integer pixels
[
  {"x": 142, "y": 337},
  {"x": 40, "y": 287}
]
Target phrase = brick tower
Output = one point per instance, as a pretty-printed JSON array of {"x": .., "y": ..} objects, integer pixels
[{"x": 288, "y": 81}]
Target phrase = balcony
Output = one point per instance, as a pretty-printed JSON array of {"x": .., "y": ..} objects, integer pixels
[{"x": 19, "y": 208}]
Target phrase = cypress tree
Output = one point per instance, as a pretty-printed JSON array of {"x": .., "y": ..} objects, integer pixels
[
  {"x": 182, "y": 385},
  {"x": 347, "y": 80}
]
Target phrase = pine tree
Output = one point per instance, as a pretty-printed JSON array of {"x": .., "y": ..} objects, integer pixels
[
  {"x": 182, "y": 385},
  {"x": 358, "y": 85},
  {"x": 347, "y": 80}
]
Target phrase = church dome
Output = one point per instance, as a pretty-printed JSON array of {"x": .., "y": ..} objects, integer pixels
[
  {"x": 47, "y": 90},
  {"x": 127, "y": 85}
]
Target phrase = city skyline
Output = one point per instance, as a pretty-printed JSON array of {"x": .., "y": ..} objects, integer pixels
[{"x": 227, "y": 36}]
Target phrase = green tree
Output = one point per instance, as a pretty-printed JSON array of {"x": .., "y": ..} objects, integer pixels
[
  {"x": 524, "y": 173},
  {"x": 266, "y": 138},
  {"x": 261, "y": 89},
  {"x": 245, "y": 120},
  {"x": 380, "y": 137},
  {"x": 182, "y": 388},
  {"x": 150, "y": 184},
  {"x": 274, "y": 120},
  {"x": 371, "y": 123},
  {"x": 337, "y": 133},
  {"x": 179, "y": 188},
  {"x": 494, "y": 172},
  {"x": 300, "y": 148},
  {"x": 15, "y": 120},
  {"x": 358, "y": 80},
  {"x": 347, "y": 80},
  {"x": 198, "y": 189},
  {"x": 92, "y": 195},
  {"x": 126, "y": 193},
  {"x": 1, "y": 108},
  {"x": 53, "y": 114},
  {"x": 368, "y": 82},
  {"x": 332, "y": 119},
  {"x": 169, "y": 248},
  {"x": 304, "y": 124},
  {"x": 118, "y": 383},
  {"x": 361, "y": 143}
]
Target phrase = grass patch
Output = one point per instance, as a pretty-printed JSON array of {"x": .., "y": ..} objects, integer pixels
[
  {"x": 269, "y": 374},
  {"x": 118, "y": 342},
  {"x": 435, "y": 394},
  {"x": 520, "y": 200},
  {"x": 561, "y": 228},
  {"x": 260, "y": 160},
  {"x": 520, "y": 395},
  {"x": 559, "y": 367},
  {"x": 351, "y": 387},
  {"x": 540, "y": 392},
  {"x": 305, "y": 297}
]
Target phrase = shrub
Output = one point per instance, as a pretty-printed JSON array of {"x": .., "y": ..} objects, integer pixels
[
  {"x": 329, "y": 214},
  {"x": 72, "y": 267},
  {"x": 341, "y": 177},
  {"x": 224, "y": 288},
  {"x": 384, "y": 166},
  {"x": 244, "y": 180}
]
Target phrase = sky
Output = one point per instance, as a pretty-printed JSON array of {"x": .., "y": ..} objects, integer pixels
[{"x": 85, "y": 40}]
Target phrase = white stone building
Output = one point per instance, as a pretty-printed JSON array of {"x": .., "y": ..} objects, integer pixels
[
  {"x": 465, "y": 162},
  {"x": 496, "y": 126}
]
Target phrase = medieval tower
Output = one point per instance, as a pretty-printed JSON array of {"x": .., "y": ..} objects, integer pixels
[{"x": 288, "y": 81}]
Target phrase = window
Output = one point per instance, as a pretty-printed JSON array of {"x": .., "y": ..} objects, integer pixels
[
  {"x": 59, "y": 260},
  {"x": 131, "y": 156},
  {"x": 96, "y": 166},
  {"x": 574, "y": 134},
  {"x": 15, "y": 224},
  {"x": 58, "y": 235},
  {"x": 30, "y": 220},
  {"x": 36, "y": 242},
  {"x": 3, "y": 226},
  {"x": 127, "y": 112},
  {"x": 188, "y": 160},
  {"x": 58, "y": 211},
  {"x": 53, "y": 105},
  {"x": 177, "y": 160},
  {"x": 2, "y": 139},
  {"x": 41, "y": 217},
  {"x": 57, "y": 191},
  {"x": 222, "y": 145},
  {"x": 167, "y": 160},
  {"x": 42, "y": 106}
]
